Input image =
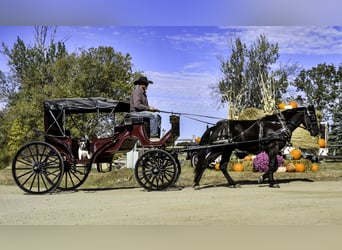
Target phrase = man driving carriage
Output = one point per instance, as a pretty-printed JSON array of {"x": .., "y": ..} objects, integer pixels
[{"x": 140, "y": 107}]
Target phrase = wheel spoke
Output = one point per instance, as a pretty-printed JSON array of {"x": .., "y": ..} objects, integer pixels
[
  {"x": 156, "y": 170},
  {"x": 37, "y": 168}
]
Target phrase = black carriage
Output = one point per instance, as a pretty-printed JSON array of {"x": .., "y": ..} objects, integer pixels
[{"x": 84, "y": 132}]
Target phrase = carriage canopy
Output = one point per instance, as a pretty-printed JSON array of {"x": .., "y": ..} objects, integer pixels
[
  {"x": 85, "y": 105},
  {"x": 77, "y": 117}
]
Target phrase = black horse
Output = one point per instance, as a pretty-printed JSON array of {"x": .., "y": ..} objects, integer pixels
[{"x": 269, "y": 134}]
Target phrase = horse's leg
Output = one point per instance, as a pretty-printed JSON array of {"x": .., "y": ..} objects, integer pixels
[
  {"x": 223, "y": 167},
  {"x": 263, "y": 177},
  {"x": 273, "y": 166},
  {"x": 199, "y": 168}
]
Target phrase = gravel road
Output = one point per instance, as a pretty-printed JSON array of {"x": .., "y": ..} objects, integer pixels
[{"x": 295, "y": 203}]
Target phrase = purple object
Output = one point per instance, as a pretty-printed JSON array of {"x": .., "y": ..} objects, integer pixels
[{"x": 261, "y": 162}]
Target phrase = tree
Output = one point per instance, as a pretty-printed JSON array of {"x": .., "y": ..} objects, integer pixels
[
  {"x": 46, "y": 70},
  {"x": 249, "y": 79},
  {"x": 321, "y": 86}
]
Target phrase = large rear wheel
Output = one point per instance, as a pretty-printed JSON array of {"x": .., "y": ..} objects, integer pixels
[
  {"x": 37, "y": 168},
  {"x": 156, "y": 170}
]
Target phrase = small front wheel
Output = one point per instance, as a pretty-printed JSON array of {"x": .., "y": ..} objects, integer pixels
[
  {"x": 37, "y": 168},
  {"x": 156, "y": 170}
]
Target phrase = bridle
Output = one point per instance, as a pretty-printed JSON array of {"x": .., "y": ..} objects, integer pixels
[{"x": 309, "y": 119}]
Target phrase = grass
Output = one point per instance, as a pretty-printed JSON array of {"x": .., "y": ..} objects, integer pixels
[{"x": 124, "y": 177}]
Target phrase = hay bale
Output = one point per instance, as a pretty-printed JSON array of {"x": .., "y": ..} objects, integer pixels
[
  {"x": 251, "y": 114},
  {"x": 301, "y": 138}
]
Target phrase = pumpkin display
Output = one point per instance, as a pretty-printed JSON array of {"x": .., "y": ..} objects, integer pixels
[
  {"x": 300, "y": 167},
  {"x": 281, "y": 170},
  {"x": 293, "y": 104},
  {"x": 296, "y": 154},
  {"x": 238, "y": 167},
  {"x": 247, "y": 158},
  {"x": 281, "y": 105},
  {"x": 321, "y": 142},
  {"x": 314, "y": 167},
  {"x": 290, "y": 167}
]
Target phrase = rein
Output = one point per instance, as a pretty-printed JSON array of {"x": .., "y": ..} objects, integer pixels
[{"x": 191, "y": 116}]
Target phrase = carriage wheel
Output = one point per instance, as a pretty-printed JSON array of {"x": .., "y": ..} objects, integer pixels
[
  {"x": 156, "y": 170},
  {"x": 37, "y": 168},
  {"x": 74, "y": 176}
]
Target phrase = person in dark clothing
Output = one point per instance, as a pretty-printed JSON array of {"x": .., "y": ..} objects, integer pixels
[{"x": 139, "y": 106}]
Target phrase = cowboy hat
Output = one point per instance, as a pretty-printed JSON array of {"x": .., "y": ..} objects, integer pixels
[{"x": 142, "y": 80}]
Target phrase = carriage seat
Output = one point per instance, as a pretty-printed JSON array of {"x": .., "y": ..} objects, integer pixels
[{"x": 131, "y": 119}]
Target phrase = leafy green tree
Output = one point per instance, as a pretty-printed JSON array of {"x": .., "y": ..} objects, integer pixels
[
  {"x": 249, "y": 78},
  {"x": 320, "y": 87},
  {"x": 46, "y": 70}
]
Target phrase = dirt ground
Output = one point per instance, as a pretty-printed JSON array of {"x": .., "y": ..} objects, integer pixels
[{"x": 295, "y": 203}]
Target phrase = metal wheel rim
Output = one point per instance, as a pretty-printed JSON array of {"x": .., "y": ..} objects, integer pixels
[
  {"x": 156, "y": 170},
  {"x": 37, "y": 168}
]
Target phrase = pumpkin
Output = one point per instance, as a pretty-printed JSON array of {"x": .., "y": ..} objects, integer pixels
[
  {"x": 296, "y": 154},
  {"x": 247, "y": 158},
  {"x": 300, "y": 167},
  {"x": 321, "y": 142},
  {"x": 217, "y": 166},
  {"x": 290, "y": 167},
  {"x": 281, "y": 170},
  {"x": 238, "y": 167},
  {"x": 293, "y": 104},
  {"x": 281, "y": 105},
  {"x": 314, "y": 167}
]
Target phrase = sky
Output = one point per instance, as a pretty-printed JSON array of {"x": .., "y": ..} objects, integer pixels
[{"x": 181, "y": 57}]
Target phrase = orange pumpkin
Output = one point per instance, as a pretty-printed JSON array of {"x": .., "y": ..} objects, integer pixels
[
  {"x": 296, "y": 154},
  {"x": 238, "y": 167},
  {"x": 293, "y": 104},
  {"x": 314, "y": 167},
  {"x": 321, "y": 142},
  {"x": 247, "y": 158},
  {"x": 281, "y": 105},
  {"x": 300, "y": 167},
  {"x": 290, "y": 167}
]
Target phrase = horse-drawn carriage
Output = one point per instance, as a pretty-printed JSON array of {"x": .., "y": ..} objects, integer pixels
[{"x": 84, "y": 132}]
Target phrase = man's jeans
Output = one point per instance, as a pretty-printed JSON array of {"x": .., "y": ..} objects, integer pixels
[{"x": 155, "y": 121}]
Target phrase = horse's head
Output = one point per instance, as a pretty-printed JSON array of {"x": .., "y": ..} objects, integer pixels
[{"x": 310, "y": 120}]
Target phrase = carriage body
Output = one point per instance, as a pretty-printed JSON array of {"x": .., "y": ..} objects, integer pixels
[{"x": 80, "y": 133}]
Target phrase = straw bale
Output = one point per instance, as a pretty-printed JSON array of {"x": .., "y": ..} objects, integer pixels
[
  {"x": 301, "y": 138},
  {"x": 251, "y": 114}
]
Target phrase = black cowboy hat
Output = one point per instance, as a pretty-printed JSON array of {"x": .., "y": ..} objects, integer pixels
[{"x": 142, "y": 80}]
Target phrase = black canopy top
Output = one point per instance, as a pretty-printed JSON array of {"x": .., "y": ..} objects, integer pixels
[{"x": 86, "y": 105}]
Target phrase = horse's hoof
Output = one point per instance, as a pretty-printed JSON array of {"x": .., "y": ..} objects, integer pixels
[
  {"x": 274, "y": 186},
  {"x": 260, "y": 179},
  {"x": 196, "y": 186}
]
